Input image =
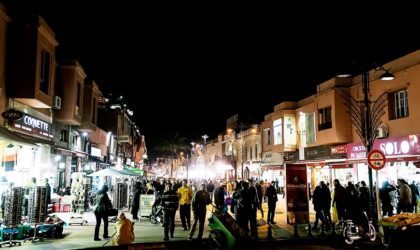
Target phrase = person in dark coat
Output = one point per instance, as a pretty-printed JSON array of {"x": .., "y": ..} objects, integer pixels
[
  {"x": 340, "y": 200},
  {"x": 317, "y": 200},
  {"x": 219, "y": 197},
  {"x": 136, "y": 200},
  {"x": 384, "y": 195},
  {"x": 271, "y": 195},
  {"x": 249, "y": 201},
  {"x": 170, "y": 203},
  {"x": 364, "y": 198},
  {"x": 103, "y": 205},
  {"x": 199, "y": 206},
  {"x": 210, "y": 189},
  {"x": 326, "y": 203}
]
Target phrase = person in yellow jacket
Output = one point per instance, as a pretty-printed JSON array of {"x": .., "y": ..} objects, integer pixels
[
  {"x": 124, "y": 231},
  {"x": 185, "y": 196}
]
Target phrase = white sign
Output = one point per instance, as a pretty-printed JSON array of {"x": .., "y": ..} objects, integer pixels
[
  {"x": 95, "y": 152},
  {"x": 124, "y": 138},
  {"x": 146, "y": 203}
]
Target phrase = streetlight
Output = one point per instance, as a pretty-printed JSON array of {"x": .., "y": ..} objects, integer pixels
[{"x": 367, "y": 121}]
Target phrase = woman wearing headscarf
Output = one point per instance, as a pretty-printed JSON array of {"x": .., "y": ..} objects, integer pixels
[{"x": 124, "y": 231}]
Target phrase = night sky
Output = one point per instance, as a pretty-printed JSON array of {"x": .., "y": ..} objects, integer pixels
[{"x": 188, "y": 71}]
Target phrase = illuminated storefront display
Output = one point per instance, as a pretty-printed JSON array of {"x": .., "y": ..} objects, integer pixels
[
  {"x": 277, "y": 132},
  {"x": 289, "y": 132}
]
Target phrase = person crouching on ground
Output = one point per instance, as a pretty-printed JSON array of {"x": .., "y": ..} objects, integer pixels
[{"x": 124, "y": 231}]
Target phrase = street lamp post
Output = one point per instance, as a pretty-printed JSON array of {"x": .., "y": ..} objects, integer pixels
[{"x": 367, "y": 120}]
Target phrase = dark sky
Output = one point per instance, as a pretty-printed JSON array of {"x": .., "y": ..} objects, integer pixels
[{"x": 188, "y": 71}]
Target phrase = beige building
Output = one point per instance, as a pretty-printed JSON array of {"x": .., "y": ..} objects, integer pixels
[{"x": 318, "y": 131}]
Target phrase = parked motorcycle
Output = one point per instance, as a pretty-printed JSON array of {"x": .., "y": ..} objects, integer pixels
[
  {"x": 157, "y": 212},
  {"x": 353, "y": 232}
]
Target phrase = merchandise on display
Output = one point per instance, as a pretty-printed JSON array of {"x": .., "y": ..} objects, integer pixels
[
  {"x": 13, "y": 207},
  {"x": 36, "y": 205},
  {"x": 120, "y": 198}
]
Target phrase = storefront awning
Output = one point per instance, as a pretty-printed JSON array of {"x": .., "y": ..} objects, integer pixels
[{"x": 13, "y": 137}]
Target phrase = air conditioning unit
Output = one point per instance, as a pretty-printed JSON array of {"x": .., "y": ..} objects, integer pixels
[
  {"x": 57, "y": 102},
  {"x": 382, "y": 131}
]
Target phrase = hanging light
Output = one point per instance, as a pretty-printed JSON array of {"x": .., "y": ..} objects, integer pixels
[{"x": 387, "y": 76}]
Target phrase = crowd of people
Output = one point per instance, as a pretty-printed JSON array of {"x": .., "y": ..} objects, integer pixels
[{"x": 243, "y": 199}]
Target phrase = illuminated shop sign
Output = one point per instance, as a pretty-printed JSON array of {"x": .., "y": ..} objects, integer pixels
[
  {"x": 33, "y": 126},
  {"x": 405, "y": 145}
]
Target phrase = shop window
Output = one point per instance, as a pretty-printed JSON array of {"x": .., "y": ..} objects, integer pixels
[
  {"x": 44, "y": 84},
  {"x": 267, "y": 137},
  {"x": 398, "y": 104},
  {"x": 256, "y": 150},
  {"x": 250, "y": 153},
  {"x": 325, "y": 121},
  {"x": 75, "y": 140},
  {"x": 277, "y": 130},
  {"x": 64, "y": 135},
  {"x": 310, "y": 128}
]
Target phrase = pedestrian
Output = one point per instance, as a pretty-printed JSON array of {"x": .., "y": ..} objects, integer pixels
[
  {"x": 317, "y": 201},
  {"x": 170, "y": 203},
  {"x": 185, "y": 196},
  {"x": 272, "y": 199},
  {"x": 199, "y": 205},
  {"x": 340, "y": 200},
  {"x": 260, "y": 193},
  {"x": 210, "y": 189},
  {"x": 136, "y": 201},
  {"x": 249, "y": 201},
  {"x": 364, "y": 198},
  {"x": 103, "y": 204},
  {"x": 219, "y": 197},
  {"x": 124, "y": 231}
]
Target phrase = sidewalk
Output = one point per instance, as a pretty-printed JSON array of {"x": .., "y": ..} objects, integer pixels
[{"x": 81, "y": 236}]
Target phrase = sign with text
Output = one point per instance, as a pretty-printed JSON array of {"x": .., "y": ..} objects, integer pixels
[
  {"x": 289, "y": 131},
  {"x": 297, "y": 194},
  {"x": 396, "y": 146},
  {"x": 146, "y": 203},
  {"x": 123, "y": 138},
  {"x": 33, "y": 126},
  {"x": 317, "y": 152}
]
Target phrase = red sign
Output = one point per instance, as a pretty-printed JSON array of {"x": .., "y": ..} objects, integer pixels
[
  {"x": 376, "y": 159},
  {"x": 297, "y": 194}
]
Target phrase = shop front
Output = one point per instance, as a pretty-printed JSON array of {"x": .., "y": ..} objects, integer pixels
[
  {"x": 26, "y": 152},
  {"x": 272, "y": 166},
  {"x": 326, "y": 163},
  {"x": 402, "y": 154}
]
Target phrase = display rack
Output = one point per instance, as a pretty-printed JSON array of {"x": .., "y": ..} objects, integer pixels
[
  {"x": 120, "y": 198},
  {"x": 12, "y": 217},
  {"x": 37, "y": 204}
]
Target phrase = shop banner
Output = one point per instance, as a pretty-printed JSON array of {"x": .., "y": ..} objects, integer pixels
[
  {"x": 396, "y": 146},
  {"x": 146, "y": 203},
  {"x": 297, "y": 194}
]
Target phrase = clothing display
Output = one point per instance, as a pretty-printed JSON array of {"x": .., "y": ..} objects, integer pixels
[
  {"x": 119, "y": 197},
  {"x": 79, "y": 188},
  {"x": 13, "y": 207}
]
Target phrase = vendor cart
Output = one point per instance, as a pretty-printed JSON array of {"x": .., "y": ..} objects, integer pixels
[
  {"x": 400, "y": 231},
  {"x": 225, "y": 233}
]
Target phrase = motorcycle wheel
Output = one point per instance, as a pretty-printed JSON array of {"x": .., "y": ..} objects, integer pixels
[
  {"x": 346, "y": 232},
  {"x": 153, "y": 219},
  {"x": 372, "y": 233}
]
